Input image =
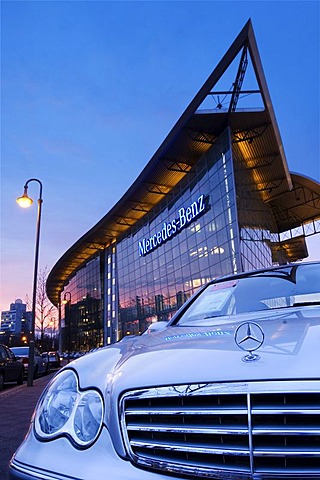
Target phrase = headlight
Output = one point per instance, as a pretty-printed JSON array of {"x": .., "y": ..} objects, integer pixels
[{"x": 65, "y": 410}]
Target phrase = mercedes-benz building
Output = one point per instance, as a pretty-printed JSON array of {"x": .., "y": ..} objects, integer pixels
[{"x": 216, "y": 198}]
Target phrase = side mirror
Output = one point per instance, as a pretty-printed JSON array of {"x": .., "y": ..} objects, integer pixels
[{"x": 156, "y": 327}]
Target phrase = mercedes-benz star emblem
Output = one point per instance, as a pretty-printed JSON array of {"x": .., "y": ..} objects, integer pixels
[{"x": 249, "y": 337}]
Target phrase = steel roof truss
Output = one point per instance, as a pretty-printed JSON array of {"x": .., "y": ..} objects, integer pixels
[
  {"x": 265, "y": 186},
  {"x": 229, "y": 92},
  {"x": 157, "y": 188},
  {"x": 127, "y": 221},
  {"x": 141, "y": 207},
  {"x": 200, "y": 136},
  {"x": 261, "y": 162},
  {"x": 182, "y": 167},
  {"x": 239, "y": 80},
  {"x": 250, "y": 134},
  {"x": 309, "y": 197},
  {"x": 95, "y": 246},
  {"x": 284, "y": 214}
]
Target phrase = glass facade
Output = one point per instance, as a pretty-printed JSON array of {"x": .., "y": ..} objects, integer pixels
[
  {"x": 178, "y": 247},
  {"x": 82, "y": 325},
  {"x": 255, "y": 218},
  {"x": 210, "y": 224}
]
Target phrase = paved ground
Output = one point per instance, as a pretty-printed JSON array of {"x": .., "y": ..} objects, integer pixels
[{"x": 16, "y": 407}]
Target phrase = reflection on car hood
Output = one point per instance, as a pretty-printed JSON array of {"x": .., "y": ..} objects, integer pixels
[{"x": 180, "y": 355}]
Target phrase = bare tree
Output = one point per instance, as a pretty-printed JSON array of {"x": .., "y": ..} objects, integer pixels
[{"x": 45, "y": 310}]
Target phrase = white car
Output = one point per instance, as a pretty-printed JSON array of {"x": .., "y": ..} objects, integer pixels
[{"x": 228, "y": 389}]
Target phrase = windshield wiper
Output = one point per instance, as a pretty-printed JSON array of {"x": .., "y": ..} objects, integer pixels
[{"x": 302, "y": 304}]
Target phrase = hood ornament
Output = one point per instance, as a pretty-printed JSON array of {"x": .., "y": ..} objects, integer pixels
[{"x": 249, "y": 336}]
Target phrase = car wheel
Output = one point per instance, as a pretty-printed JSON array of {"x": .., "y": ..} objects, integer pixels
[
  {"x": 1, "y": 381},
  {"x": 35, "y": 373},
  {"x": 20, "y": 379}
]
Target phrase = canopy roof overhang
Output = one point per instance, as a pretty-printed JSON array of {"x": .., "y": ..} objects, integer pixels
[{"x": 254, "y": 132}]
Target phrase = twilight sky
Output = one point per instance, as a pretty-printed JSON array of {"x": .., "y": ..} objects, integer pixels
[{"x": 90, "y": 89}]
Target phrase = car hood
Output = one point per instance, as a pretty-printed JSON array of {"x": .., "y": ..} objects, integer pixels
[{"x": 182, "y": 355}]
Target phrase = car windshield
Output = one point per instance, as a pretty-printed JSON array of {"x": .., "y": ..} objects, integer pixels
[
  {"x": 20, "y": 350},
  {"x": 291, "y": 286}
]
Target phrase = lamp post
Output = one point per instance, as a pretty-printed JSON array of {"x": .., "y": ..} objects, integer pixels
[
  {"x": 25, "y": 201},
  {"x": 52, "y": 327},
  {"x": 67, "y": 301},
  {"x": 59, "y": 326}
]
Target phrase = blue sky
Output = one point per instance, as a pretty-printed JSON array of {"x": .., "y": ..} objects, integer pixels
[{"x": 89, "y": 90}]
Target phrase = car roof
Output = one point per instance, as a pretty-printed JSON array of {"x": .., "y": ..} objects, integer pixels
[{"x": 271, "y": 268}]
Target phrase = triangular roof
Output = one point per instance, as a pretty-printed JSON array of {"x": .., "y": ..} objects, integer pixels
[{"x": 255, "y": 133}]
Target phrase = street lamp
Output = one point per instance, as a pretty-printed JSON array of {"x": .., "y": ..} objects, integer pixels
[
  {"x": 67, "y": 301},
  {"x": 25, "y": 201}
]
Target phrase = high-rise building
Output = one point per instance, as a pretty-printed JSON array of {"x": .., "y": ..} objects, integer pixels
[{"x": 16, "y": 320}]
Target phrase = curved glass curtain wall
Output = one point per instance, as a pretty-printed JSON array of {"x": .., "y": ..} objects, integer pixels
[
  {"x": 257, "y": 225},
  {"x": 152, "y": 287},
  {"x": 121, "y": 292},
  {"x": 82, "y": 316}
]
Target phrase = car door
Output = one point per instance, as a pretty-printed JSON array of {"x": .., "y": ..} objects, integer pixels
[
  {"x": 9, "y": 366},
  {"x": 15, "y": 364}
]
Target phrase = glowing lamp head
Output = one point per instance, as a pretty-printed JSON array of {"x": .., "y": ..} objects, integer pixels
[{"x": 25, "y": 201}]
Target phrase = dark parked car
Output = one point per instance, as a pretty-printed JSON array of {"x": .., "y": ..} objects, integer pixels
[
  {"x": 40, "y": 363},
  {"x": 11, "y": 370},
  {"x": 229, "y": 389}
]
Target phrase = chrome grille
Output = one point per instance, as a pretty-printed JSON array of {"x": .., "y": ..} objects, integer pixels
[{"x": 240, "y": 431}]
